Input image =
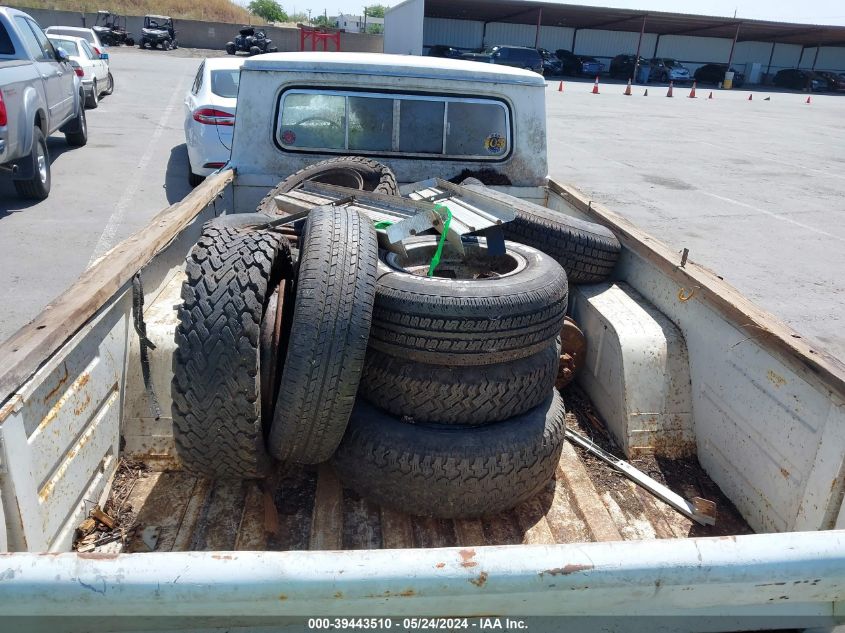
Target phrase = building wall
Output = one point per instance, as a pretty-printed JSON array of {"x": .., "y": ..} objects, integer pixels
[{"x": 403, "y": 28}]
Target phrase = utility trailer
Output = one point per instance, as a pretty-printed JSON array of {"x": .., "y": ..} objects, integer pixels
[{"x": 694, "y": 384}]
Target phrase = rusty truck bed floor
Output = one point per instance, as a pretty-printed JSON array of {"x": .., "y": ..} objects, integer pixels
[{"x": 310, "y": 509}]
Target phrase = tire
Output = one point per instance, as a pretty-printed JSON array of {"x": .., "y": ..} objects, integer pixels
[
  {"x": 354, "y": 171},
  {"x": 230, "y": 48},
  {"x": 174, "y": 45},
  {"x": 37, "y": 187},
  {"x": 165, "y": 45},
  {"x": 468, "y": 322},
  {"x": 194, "y": 180},
  {"x": 217, "y": 416},
  {"x": 451, "y": 472},
  {"x": 254, "y": 50},
  {"x": 93, "y": 100},
  {"x": 142, "y": 43},
  {"x": 335, "y": 290},
  {"x": 130, "y": 41},
  {"x": 79, "y": 138},
  {"x": 110, "y": 89},
  {"x": 424, "y": 393},
  {"x": 587, "y": 251}
]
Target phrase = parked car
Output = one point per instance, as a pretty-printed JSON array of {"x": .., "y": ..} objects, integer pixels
[
  {"x": 516, "y": 56},
  {"x": 210, "y": 116},
  {"x": 252, "y": 41},
  {"x": 797, "y": 79},
  {"x": 111, "y": 29},
  {"x": 572, "y": 64},
  {"x": 92, "y": 69},
  {"x": 668, "y": 69},
  {"x": 835, "y": 81},
  {"x": 441, "y": 50},
  {"x": 158, "y": 30},
  {"x": 89, "y": 35},
  {"x": 715, "y": 74},
  {"x": 39, "y": 94},
  {"x": 623, "y": 65},
  {"x": 551, "y": 64}
]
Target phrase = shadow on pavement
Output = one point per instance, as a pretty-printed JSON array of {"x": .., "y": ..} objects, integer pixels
[
  {"x": 176, "y": 179},
  {"x": 9, "y": 200}
]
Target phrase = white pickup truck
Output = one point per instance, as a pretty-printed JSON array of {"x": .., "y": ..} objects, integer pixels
[
  {"x": 693, "y": 382},
  {"x": 39, "y": 94}
]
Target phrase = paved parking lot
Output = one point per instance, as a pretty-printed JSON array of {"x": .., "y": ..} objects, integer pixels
[{"x": 754, "y": 190}]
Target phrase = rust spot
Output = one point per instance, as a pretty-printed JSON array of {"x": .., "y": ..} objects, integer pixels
[
  {"x": 776, "y": 379},
  {"x": 481, "y": 580},
  {"x": 98, "y": 555},
  {"x": 784, "y": 472},
  {"x": 467, "y": 555},
  {"x": 833, "y": 483},
  {"x": 14, "y": 403},
  {"x": 338, "y": 594},
  {"x": 440, "y": 565},
  {"x": 565, "y": 570},
  {"x": 58, "y": 386},
  {"x": 83, "y": 405},
  {"x": 282, "y": 597},
  {"x": 408, "y": 593},
  {"x": 223, "y": 556}
]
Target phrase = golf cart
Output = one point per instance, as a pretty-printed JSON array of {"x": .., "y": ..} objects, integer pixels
[
  {"x": 158, "y": 30},
  {"x": 251, "y": 41},
  {"x": 111, "y": 29}
]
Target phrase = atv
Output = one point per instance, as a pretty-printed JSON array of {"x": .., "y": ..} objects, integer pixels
[
  {"x": 252, "y": 42},
  {"x": 111, "y": 29},
  {"x": 158, "y": 30}
]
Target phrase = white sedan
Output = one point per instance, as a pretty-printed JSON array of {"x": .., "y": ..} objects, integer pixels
[
  {"x": 89, "y": 35},
  {"x": 210, "y": 116},
  {"x": 93, "y": 69}
]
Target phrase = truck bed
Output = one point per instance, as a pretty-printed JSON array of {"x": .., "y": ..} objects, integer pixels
[{"x": 308, "y": 508}]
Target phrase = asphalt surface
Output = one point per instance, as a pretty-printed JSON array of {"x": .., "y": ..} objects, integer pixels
[{"x": 753, "y": 189}]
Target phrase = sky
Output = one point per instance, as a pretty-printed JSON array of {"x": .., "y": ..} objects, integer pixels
[{"x": 808, "y": 11}]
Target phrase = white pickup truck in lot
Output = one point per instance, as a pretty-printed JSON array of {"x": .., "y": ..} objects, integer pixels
[
  {"x": 39, "y": 94},
  {"x": 692, "y": 382}
]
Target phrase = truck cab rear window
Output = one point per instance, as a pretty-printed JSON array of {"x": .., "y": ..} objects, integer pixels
[{"x": 391, "y": 124}]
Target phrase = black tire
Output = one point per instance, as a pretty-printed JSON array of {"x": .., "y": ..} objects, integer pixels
[
  {"x": 38, "y": 186},
  {"x": 230, "y": 48},
  {"x": 142, "y": 43},
  {"x": 587, "y": 251},
  {"x": 130, "y": 41},
  {"x": 79, "y": 137},
  {"x": 194, "y": 180},
  {"x": 92, "y": 101},
  {"x": 254, "y": 50},
  {"x": 348, "y": 171},
  {"x": 165, "y": 45},
  {"x": 469, "y": 322},
  {"x": 420, "y": 392},
  {"x": 450, "y": 471},
  {"x": 110, "y": 89},
  {"x": 217, "y": 416},
  {"x": 333, "y": 307}
]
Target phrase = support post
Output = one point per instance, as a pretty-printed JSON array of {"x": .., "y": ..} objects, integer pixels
[
  {"x": 637, "y": 56},
  {"x": 574, "y": 35},
  {"x": 537, "y": 32},
  {"x": 816, "y": 57},
  {"x": 801, "y": 57},
  {"x": 733, "y": 45},
  {"x": 656, "y": 45},
  {"x": 771, "y": 56}
]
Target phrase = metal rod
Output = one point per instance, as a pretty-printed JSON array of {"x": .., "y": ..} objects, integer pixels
[
  {"x": 537, "y": 32},
  {"x": 733, "y": 45},
  {"x": 816, "y": 56},
  {"x": 771, "y": 56},
  {"x": 637, "y": 56}
]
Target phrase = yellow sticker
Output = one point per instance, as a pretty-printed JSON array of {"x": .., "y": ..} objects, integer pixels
[{"x": 495, "y": 143}]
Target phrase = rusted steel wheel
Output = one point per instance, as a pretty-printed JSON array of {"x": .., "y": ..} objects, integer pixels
[{"x": 573, "y": 351}]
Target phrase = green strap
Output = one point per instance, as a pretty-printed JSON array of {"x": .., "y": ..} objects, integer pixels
[
  {"x": 383, "y": 224},
  {"x": 436, "y": 259}
]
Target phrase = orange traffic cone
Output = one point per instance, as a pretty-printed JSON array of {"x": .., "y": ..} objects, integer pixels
[
  {"x": 711, "y": 96},
  {"x": 692, "y": 91},
  {"x": 628, "y": 89},
  {"x": 669, "y": 92},
  {"x": 808, "y": 100},
  {"x": 749, "y": 97},
  {"x": 645, "y": 94},
  {"x": 596, "y": 86},
  {"x": 560, "y": 87}
]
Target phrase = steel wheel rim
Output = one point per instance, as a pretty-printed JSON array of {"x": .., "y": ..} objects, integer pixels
[{"x": 41, "y": 160}]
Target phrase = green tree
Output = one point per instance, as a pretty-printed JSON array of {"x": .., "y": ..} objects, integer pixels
[
  {"x": 270, "y": 10},
  {"x": 375, "y": 29},
  {"x": 376, "y": 10},
  {"x": 298, "y": 18},
  {"x": 322, "y": 20}
]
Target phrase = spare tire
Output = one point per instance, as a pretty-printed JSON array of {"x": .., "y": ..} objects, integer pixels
[
  {"x": 333, "y": 308},
  {"x": 449, "y": 471},
  {"x": 217, "y": 416},
  {"x": 497, "y": 317},
  {"x": 586, "y": 250},
  {"x": 421, "y": 392},
  {"x": 356, "y": 172}
]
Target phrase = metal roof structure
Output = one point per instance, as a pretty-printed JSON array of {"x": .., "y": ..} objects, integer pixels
[{"x": 661, "y": 23}]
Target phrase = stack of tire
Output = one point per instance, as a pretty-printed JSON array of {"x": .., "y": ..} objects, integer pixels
[{"x": 456, "y": 415}]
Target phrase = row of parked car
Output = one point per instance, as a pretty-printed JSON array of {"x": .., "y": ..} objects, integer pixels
[
  {"x": 624, "y": 66},
  {"x": 48, "y": 78}
]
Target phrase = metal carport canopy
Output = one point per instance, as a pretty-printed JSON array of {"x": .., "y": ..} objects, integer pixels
[{"x": 582, "y": 17}]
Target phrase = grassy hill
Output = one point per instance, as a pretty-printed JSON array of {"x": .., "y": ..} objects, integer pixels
[{"x": 211, "y": 10}]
